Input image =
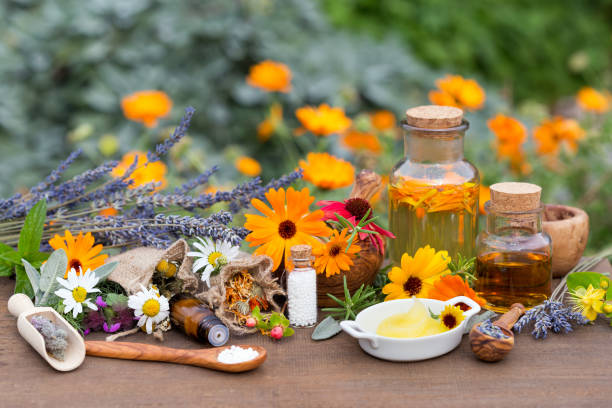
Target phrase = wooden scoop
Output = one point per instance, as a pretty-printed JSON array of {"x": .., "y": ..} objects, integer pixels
[
  {"x": 489, "y": 348},
  {"x": 206, "y": 358}
]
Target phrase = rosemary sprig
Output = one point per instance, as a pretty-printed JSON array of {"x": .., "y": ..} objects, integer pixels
[
  {"x": 363, "y": 297},
  {"x": 464, "y": 267},
  {"x": 343, "y": 223}
]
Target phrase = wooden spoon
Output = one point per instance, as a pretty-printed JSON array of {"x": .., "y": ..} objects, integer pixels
[
  {"x": 206, "y": 358},
  {"x": 489, "y": 348}
]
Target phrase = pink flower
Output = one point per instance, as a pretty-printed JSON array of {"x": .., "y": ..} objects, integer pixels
[
  {"x": 111, "y": 329},
  {"x": 100, "y": 302},
  {"x": 354, "y": 209},
  {"x": 86, "y": 332}
]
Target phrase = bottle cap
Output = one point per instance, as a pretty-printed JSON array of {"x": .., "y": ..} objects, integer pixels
[
  {"x": 515, "y": 197},
  {"x": 434, "y": 117},
  {"x": 301, "y": 255}
]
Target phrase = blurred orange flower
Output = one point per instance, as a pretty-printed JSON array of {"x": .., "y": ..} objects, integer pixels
[
  {"x": 326, "y": 171},
  {"x": 483, "y": 197},
  {"x": 146, "y": 107},
  {"x": 248, "y": 166},
  {"x": 556, "y": 131},
  {"x": 592, "y": 100},
  {"x": 382, "y": 120},
  {"x": 454, "y": 90},
  {"x": 450, "y": 286},
  {"x": 108, "y": 212},
  {"x": 359, "y": 141},
  {"x": 324, "y": 120},
  {"x": 269, "y": 124},
  {"x": 270, "y": 76},
  {"x": 510, "y": 135},
  {"x": 145, "y": 172}
]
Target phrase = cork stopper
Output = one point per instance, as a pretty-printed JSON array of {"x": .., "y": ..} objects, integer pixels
[
  {"x": 301, "y": 255},
  {"x": 434, "y": 117},
  {"x": 515, "y": 197}
]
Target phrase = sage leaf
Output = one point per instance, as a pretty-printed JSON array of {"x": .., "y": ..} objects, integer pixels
[
  {"x": 327, "y": 329},
  {"x": 31, "y": 233},
  {"x": 479, "y": 318},
  {"x": 55, "y": 267},
  {"x": 103, "y": 271},
  {"x": 33, "y": 276},
  {"x": 113, "y": 299}
]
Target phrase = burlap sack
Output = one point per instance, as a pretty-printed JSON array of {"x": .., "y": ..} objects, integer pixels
[
  {"x": 136, "y": 267},
  {"x": 260, "y": 268}
]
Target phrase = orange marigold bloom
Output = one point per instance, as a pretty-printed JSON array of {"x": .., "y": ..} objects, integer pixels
[
  {"x": 80, "y": 250},
  {"x": 357, "y": 141},
  {"x": 289, "y": 222},
  {"x": 270, "y": 76},
  {"x": 454, "y": 90},
  {"x": 327, "y": 171},
  {"x": 145, "y": 172},
  {"x": 592, "y": 100},
  {"x": 510, "y": 135},
  {"x": 333, "y": 257},
  {"x": 450, "y": 286},
  {"x": 108, "y": 212},
  {"x": 146, "y": 106},
  {"x": 248, "y": 166},
  {"x": 324, "y": 120},
  {"x": 270, "y": 124},
  {"x": 483, "y": 197},
  {"x": 382, "y": 120},
  {"x": 556, "y": 131}
]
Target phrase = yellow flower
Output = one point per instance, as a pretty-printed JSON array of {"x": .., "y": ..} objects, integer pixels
[
  {"x": 592, "y": 100},
  {"x": 454, "y": 90},
  {"x": 588, "y": 301},
  {"x": 416, "y": 275},
  {"x": 286, "y": 224},
  {"x": 270, "y": 76},
  {"x": 145, "y": 172},
  {"x": 248, "y": 166},
  {"x": 359, "y": 141},
  {"x": 324, "y": 120},
  {"x": 451, "y": 317},
  {"x": 510, "y": 135},
  {"x": 80, "y": 250},
  {"x": 382, "y": 120},
  {"x": 326, "y": 171},
  {"x": 556, "y": 131},
  {"x": 269, "y": 125},
  {"x": 332, "y": 257},
  {"x": 146, "y": 107}
]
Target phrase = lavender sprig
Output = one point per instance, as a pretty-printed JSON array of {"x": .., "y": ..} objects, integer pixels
[
  {"x": 550, "y": 316},
  {"x": 197, "y": 181},
  {"x": 181, "y": 130}
]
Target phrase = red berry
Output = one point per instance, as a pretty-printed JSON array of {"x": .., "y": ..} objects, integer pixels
[
  {"x": 277, "y": 332},
  {"x": 251, "y": 322}
]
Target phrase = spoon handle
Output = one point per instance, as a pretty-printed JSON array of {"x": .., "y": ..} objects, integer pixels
[{"x": 508, "y": 319}]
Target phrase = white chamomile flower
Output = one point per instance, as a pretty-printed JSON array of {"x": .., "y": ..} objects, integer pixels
[
  {"x": 150, "y": 306},
  {"x": 211, "y": 256},
  {"x": 75, "y": 291}
]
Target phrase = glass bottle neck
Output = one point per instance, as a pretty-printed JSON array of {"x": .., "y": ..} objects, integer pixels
[
  {"x": 428, "y": 147},
  {"x": 514, "y": 224}
]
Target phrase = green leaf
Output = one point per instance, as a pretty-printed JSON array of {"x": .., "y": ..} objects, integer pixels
[
  {"x": 103, "y": 271},
  {"x": 288, "y": 332},
  {"x": 116, "y": 299},
  {"x": 275, "y": 320},
  {"x": 6, "y": 270},
  {"x": 33, "y": 276},
  {"x": 584, "y": 279},
  {"x": 31, "y": 233},
  {"x": 432, "y": 314},
  {"x": 55, "y": 267},
  {"x": 11, "y": 258},
  {"x": 22, "y": 283},
  {"x": 327, "y": 329}
]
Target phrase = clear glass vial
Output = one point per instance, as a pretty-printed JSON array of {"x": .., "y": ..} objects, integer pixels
[{"x": 302, "y": 288}]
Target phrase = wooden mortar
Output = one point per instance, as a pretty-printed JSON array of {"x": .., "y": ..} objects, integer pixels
[{"x": 568, "y": 228}]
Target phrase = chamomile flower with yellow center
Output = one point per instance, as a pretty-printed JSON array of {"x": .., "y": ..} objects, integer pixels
[
  {"x": 211, "y": 255},
  {"x": 150, "y": 307},
  {"x": 75, "y": 291}
]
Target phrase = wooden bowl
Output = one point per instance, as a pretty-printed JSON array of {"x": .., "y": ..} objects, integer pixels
[
  {"x": 366, "y": 266},
  {"x": 568, "y": 228}
]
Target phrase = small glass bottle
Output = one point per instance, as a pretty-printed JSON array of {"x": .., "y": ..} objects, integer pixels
[
  {"x": 433, "y": 191},
  {"x": 514, "y": 254},
  {"x": 302, "y": 288},
  {"x": 196, "y": 320}
]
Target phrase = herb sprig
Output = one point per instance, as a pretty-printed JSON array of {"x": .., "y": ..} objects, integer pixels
[{"x": 348, "y": 308}]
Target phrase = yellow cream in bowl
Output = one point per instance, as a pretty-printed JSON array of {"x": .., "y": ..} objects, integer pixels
[{"x": 417, "y": 322}]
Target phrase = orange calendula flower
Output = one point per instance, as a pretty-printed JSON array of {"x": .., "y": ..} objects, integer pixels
[
  {"x": 146, "y": 107},
  {"x": 248, "y": 166},
  {"x": 333, "y": 257},
  {"x": 270, "y": 76},
  {"x": 327, "y": 171},
  {"x": 424, "y": 198},
  {"x": 450, "y": 286},
  {"x": 592, "y": 100},
  {"x": 80, "y": 250},
  {"x": 324, "y": 120},
  {"x": 510, "y": 135},
  {"x": 362, "y": 141},
  {"x": 454, "y": 90},
  {"x": 382, "y": 120},
  {"x": 266, "y": 128},
  {"x": 552, "y": 133},
  {"x": 145, "y": 172},
  {"x": 108, "y": 212},
  {"x": 289, "y": 222}
]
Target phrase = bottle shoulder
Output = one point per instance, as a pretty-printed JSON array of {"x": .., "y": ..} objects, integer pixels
[{"x": 456, "y": 172}]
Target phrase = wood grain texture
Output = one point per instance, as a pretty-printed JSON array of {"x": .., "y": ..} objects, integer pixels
[
  {"x": 489, "y": 348},
  {"x": 572, "y": 370}
]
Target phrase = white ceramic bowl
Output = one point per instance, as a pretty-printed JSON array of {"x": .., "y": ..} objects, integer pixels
[{"x": 394, "y": 349}]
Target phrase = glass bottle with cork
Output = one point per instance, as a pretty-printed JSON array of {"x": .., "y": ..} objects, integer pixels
[
  {"x": 433, "y": 190},
  {"x": 302, "y": 288},
  {"x": 514, "y": 254}
]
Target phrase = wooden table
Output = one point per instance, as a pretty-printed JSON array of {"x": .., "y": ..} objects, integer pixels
[{"x": 563, "y": 370}]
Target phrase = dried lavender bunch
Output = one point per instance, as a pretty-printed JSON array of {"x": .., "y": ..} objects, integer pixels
[
  {"x": 548, "y": 316},
  {"x": 55, "y": 337}
]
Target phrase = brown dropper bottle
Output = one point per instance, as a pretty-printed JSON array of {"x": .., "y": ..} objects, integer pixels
[{"x": 196, "y": 320}]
